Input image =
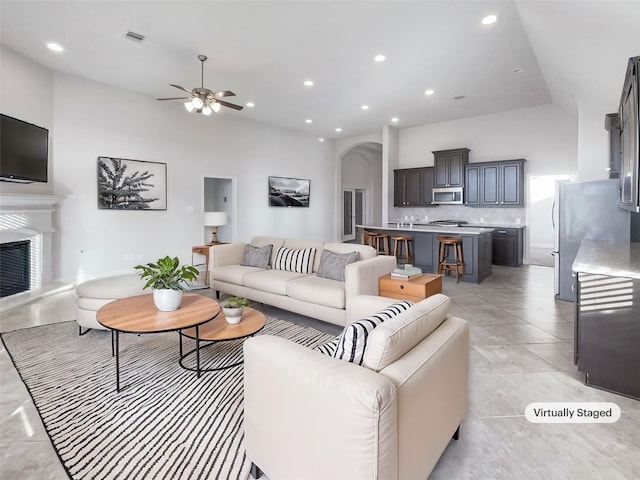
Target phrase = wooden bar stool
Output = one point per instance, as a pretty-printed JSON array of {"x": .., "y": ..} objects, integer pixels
[
  {"x": 457, "y": 263},
  {"x": 368, "y": 238},
  {"x": 398, "y": 242},
  {"x": 382, "y": 244}
]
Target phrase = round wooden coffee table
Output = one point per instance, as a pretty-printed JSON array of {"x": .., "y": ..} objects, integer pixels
[
  {"x": 139, "y": 315},
  {"x": 219, "y": 330}
]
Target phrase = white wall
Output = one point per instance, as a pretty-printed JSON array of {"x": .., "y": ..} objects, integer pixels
[
  {"x": 93, "y": 119},
  {"x": 25, "y": 93},
  {"x": 593, "y": 142},
  {"x": 545, "y": 135}
]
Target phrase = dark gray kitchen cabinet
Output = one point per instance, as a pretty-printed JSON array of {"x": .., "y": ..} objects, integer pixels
[
  {"x": 423, "y": 252},
  {"x": 412, "y": 186},
  {"x": 449, "y": 167},
  {"x": 406, "y": 187},
  {"x": 426, "y": 185},
  {"x": 507, "y": 247},
  {"x": 612, "y": 125},
  {"x": 607, "y": 334},
  {"x": 495, "y": 184},
  {"x": 472, "y": 185},
  {"x": 490, "y": 192},
  {"x": 511, "y": 183}
]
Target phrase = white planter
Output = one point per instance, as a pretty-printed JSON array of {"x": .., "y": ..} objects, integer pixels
[
  {"x": 233, "y": 315},
  {"x": 167, "y": 300}
]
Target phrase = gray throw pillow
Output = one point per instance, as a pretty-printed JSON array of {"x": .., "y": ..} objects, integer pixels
[
  {"x": 256, "y": 256},
  {"x": 332, "y": 264}
]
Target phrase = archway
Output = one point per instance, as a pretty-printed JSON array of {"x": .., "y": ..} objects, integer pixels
[{"x": 361, "y": 187}]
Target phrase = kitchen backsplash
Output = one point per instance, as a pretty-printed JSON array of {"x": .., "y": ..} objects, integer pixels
[{"x": 498, "y": 216}]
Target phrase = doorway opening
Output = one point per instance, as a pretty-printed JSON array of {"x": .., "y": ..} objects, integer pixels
[
  {"x": 219, "y": 195},
  {"x": 361, "y": 188},
  {"x": 354, "y": 211}
]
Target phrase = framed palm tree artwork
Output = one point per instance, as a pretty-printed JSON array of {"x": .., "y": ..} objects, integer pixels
[{"x": 131, "y": 184}]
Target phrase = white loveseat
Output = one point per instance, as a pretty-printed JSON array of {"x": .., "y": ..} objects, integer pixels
[
  {"x": 307, "y": 294},
  {"x": 311, "y": 416}
]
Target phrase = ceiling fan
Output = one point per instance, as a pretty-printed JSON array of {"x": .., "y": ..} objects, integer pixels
[{"x": 203, "y": 100}]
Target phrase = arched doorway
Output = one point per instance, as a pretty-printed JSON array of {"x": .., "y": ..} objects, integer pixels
[{"x": 361, "y": 188}]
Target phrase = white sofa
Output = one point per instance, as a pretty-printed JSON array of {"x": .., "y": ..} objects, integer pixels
[
  {"x": 309, "y": 415},
  {"x": 306, "y": 294}
]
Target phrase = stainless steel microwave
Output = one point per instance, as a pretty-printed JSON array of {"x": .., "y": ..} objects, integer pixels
[{"x": 449, "y": 195}]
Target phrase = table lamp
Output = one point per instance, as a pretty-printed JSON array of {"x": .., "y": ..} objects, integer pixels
[{"x": 215, "y": 220}]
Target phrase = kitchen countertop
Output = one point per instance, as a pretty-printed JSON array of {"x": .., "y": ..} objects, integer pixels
[
  {"x": 608, "y": 258},
  {"x": 495, "y": 225},
  {"x": 430, "y": 229}
]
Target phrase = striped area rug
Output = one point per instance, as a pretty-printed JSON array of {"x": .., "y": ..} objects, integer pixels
[{"x": 164, "y": 424}]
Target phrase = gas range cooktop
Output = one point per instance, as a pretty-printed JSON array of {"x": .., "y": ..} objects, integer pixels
[{"x": 447, "y": 223}]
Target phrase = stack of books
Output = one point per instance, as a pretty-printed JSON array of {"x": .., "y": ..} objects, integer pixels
[{"x": 407, "y": 272}]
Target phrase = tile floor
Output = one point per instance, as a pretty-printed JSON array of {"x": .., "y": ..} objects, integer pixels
[{"x": 522, "y": 351}]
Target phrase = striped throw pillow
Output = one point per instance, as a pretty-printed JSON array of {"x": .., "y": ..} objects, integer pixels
[
  {"x": 328, "y": 348},
  {"x": 353, "y": 340},
  {"x": 298, "y": 260}
]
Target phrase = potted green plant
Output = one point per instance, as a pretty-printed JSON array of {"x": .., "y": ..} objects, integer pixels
[
  {"x": 233, "y": 308},
  {"x": 167, "y": 279}
]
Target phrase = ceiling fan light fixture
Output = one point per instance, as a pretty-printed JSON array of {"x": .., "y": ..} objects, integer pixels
[
  {"x": 197, "y": 103},
  {"x": 201, "y": 99}
]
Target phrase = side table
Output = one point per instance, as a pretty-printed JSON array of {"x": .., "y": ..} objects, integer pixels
[
  {"x": 204, "y": 250},
  {"x": 415, "y": 289}
]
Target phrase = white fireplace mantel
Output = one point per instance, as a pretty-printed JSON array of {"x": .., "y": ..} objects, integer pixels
[
  {"x": 20, "y": 201},
  {"x": 31, "y": 217}
]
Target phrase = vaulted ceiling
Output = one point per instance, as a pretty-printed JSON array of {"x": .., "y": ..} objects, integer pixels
[{"x": 566, "y": 52}]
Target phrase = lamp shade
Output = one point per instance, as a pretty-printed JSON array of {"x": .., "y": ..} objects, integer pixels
[{"x": 215, "y": 219}]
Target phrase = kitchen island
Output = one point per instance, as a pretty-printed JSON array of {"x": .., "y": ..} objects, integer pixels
[
  {"x": 607, "y": 326},
  {"x": 476, "y": 246}
]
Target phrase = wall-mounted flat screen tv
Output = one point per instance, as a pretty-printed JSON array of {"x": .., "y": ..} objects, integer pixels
[{"x": 24, "y": 151}]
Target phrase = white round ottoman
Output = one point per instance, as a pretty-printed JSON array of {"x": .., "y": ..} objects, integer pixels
[{"x": 94, "y": 294}]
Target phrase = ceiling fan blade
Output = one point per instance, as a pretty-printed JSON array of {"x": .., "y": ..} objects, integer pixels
[
  {"x": 230, "y": 105},
  {"x": 181, "y": 88},
  {"x": 226, "y": 93},
  {"x": 175, "y": 98}
]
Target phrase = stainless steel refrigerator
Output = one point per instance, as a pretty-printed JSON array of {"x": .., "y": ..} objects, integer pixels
[{"x": 584, "y": 210}]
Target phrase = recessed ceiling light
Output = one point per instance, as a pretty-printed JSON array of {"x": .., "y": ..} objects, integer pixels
[
  {"x": 380, "y": 58},
  {"x": 250, "y": 104},
  {"x": 308, "y": 83},
  {"x": 395, "y": 119},
  {"x": 365, "y": 107},
  {"x": 55, "y": 47},
  {"x": 518, "y": 70},
  {"x": 321, "y": 139},
  {"x": 531, "y": 94},
  {"x": 489, "y": 19},
  {"x": 338, "y": 129},
  {"x": 428, "y": 92},
  {"x": 308, "y": 120}
]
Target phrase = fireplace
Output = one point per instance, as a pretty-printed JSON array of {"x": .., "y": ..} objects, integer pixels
[
  {"x": 26, "y": 238},
  {"x": 15, "y": 267}
]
